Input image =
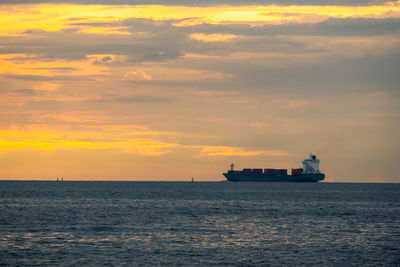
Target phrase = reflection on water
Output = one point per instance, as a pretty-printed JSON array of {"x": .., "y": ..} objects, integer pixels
[{"x": 97, "y": 223}]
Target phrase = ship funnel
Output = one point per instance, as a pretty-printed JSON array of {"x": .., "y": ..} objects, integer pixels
[{"x": 311, "y": 165}]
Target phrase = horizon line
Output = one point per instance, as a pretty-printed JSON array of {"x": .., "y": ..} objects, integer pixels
[{"x": 188, "y": 181}]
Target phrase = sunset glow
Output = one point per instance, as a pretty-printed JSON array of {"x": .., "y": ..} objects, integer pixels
[{"x": 167, "y": 92}]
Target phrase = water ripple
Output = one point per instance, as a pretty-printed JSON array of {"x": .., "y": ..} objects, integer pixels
[{"x": 90, "y": 223}]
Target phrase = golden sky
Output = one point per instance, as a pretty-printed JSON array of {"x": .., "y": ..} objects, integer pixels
[{"x": 96, "y": 91}]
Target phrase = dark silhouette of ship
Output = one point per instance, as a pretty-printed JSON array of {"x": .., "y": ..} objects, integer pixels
[{"x": 309, "y": 173}]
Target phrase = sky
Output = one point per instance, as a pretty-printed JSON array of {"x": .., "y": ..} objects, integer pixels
[{"x": 173, "y": 89}]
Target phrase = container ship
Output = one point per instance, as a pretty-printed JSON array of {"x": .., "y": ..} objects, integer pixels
[{"x": 309, "y": 173}]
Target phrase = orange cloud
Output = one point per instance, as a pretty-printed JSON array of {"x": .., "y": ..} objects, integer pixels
[
  {"x": 19, "y": 18},
  {"x": 76, "y": 117},
  {"x": 47, "y": 87},
  {"x": 212, "y": 37},
  {"x": 24, "y": 64},
  {"x": 237, "y": 151},
  {"x": 11, "y": 141},
  {"x": 169, "y": 72},
  {"x": 106, "y": 30},
  {"x": 139, "y": 75}
]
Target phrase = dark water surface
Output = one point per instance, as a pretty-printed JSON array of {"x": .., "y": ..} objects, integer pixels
[{"x": 216, "y": 223}]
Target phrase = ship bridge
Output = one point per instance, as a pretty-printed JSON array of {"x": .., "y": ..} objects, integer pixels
[{"x": 311, "y": 165}]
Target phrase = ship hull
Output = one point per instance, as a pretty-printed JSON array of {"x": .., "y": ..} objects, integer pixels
[{"x": 312, "y": 177}]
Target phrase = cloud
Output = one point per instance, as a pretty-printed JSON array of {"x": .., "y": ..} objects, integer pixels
[
  {"x": 26, "y": 91},
  {"x": 209, "y": 83},
  {"x": 139, "y": 75},
  {"x": 237, "y": 151},
  {"x": 155, "y": 41},
  {"x": 326, "y": 27},
  {"x": 257, "y": 125},
  {"x": 138, "y": 99},
  {"x": 80, "y": 117},
  {"x": 27, "y": 77},
  {"x": 203, "y": 2},
  {"x": 106, "y": 59},
  {"x": 12, "y": 141},
  {"x": 216, "y": 37},
  {"x": 58, "y": 69},
  {"x": 47, "y": 78},
  {"x": 47, "y": 87}
]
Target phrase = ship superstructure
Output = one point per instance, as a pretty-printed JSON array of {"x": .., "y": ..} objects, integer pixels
[
  {"x": 309, "y": 173},
  {"x": 311, "y": 165}
]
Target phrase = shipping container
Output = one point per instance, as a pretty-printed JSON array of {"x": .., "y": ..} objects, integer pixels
[
  {"x": 271, "y": 172},
  {"x": 296, "y": 172},
  {"x": 283, "y": 172},
  {"x": 247, "y": 171},
  {"x": 275, "y": 172},
  {"x": 257, "y": 171}
]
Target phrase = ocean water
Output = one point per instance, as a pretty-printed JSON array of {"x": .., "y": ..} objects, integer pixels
[{"x": 201, "y": 223}]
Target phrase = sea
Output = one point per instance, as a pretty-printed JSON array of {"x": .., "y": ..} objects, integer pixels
[{"x": 70, "y": 223}]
